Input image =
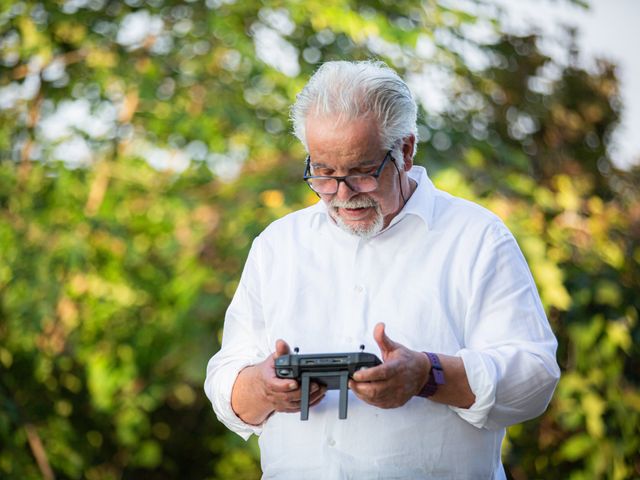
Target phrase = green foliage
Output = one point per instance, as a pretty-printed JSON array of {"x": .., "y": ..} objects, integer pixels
[{"x": 115, "y": 274}]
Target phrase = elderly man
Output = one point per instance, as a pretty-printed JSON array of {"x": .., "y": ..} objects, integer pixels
[{"x": 429, "y": 282}]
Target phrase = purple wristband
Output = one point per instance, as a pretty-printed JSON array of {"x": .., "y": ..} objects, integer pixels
[{"x": 436, "y": 376}]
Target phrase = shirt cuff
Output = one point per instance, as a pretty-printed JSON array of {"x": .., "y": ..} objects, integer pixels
[
  {"x": 482, "y": 376},
  {"x": 218, "y": 388}
]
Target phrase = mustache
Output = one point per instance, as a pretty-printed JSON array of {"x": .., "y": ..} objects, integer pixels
[{"x": 357, "y": 202}]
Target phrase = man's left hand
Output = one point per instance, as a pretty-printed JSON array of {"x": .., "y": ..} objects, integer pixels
[{"x": 401, "y": 376}]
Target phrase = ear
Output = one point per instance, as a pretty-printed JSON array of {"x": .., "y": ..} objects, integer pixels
[{"x": 408, "y": 145}]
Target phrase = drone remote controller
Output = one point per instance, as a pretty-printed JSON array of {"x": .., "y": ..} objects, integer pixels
[{"x": 330, "y": 369}]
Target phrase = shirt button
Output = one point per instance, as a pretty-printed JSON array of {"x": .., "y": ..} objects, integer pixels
[
  {"x": 331, "y": 442},
  {"x": 359, "y": 288}
]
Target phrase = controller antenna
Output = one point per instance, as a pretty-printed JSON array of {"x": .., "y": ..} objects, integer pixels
[
  {"x": 362, "y": 348},
  {"x": 296, "y": 350}
]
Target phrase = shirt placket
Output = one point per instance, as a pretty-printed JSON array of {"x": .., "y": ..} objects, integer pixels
[{"x": 355, "y": 330}]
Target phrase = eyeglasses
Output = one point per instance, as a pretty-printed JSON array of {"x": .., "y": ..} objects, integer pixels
[{"x": 361, "y": 183}]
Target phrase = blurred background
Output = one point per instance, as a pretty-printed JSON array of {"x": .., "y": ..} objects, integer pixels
[{"x": 145, "y": 143}]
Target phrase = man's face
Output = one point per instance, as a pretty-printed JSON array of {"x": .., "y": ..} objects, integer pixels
[{"x": 353, "y": 147}]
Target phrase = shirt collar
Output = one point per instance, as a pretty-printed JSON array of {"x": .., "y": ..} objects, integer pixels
[{"x": 420, "y": 204}]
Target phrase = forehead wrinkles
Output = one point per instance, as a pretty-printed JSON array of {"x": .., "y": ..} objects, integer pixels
[{"x": 333, "y": 138}]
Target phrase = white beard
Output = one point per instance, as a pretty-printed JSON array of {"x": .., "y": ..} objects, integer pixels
[{"x": 363, "y": 231}]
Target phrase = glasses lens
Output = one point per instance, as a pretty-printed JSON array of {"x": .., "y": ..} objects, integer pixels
[
  {"x": 362, "y": 183},
  {"x": 323, "y": 185},
  {"x": 357, "y": 183}
]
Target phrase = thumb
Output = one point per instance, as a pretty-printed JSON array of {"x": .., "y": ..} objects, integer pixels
[
  {"x": 384, "y": 342},
  {"x": 282, "y": 348}
]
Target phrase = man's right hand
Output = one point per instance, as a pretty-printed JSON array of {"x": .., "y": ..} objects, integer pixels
[{"x": 258, "y": 392}]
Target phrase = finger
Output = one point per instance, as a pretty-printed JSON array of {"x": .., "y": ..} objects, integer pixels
[
  {"x": 364, "y": 391},
  {"x": 282, "y": 348},
  {"x": 317, "y": 398},
  {"x": 282, "y": 385},
  {"x": 384, "y": 342},
  {"x": 317, "y": 394},
  {"x": 286, "y": 399},
  {"x": 318, "y": 387},
  {"x": 375, "y": 374},
  {"x": 296, "y": 395},
  {"x": 293, "y": 395},
  {"x": 291, "y": 401},
  {"x": 377, "y": 394},
  {"x": 355, "y": 387}
]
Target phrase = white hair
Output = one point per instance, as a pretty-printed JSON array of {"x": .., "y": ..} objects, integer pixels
[{"x": 354, "y": 89}]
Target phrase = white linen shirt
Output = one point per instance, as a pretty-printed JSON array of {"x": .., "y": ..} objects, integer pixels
[{"x": 445, "y": 276}]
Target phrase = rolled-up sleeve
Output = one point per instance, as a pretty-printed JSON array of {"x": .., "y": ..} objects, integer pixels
[
  {"x": 510, "y": 349},
  {"x": 243, "y": 344}
]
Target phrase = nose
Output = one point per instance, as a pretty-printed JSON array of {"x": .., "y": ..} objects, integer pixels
[{"x": 344, "y": 192}]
